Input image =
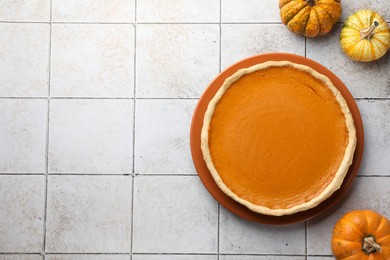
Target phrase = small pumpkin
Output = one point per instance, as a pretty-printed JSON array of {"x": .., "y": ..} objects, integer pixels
[
  {"x": 365, "y": 36},
  {"x": 361, "y": 234},
  {"x": 310, "y": 17}
]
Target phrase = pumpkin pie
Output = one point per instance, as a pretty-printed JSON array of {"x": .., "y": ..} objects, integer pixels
[{"x": 278, "y": 137}]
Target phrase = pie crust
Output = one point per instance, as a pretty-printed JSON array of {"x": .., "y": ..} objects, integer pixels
[{"x": 335, "y": 175}]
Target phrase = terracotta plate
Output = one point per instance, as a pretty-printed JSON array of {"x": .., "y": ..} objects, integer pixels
[{"x": 207, "y": 179}]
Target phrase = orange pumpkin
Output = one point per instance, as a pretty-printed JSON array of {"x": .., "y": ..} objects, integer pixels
[
  {"x": 360, "y": 235},
  {"x": 310, "y": 17}
]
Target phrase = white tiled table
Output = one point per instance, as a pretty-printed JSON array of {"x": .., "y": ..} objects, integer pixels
[{"x": 96, "y": 99}]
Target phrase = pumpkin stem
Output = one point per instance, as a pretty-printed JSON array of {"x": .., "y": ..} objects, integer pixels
[
  {"x": 311, "y": 2},
  {"x": 367, "y": 33},
  {"x": 370, "y": 245}
]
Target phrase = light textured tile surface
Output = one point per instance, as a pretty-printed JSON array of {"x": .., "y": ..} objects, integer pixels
[
  {"x": 174, "y": 214},
  {"x": 257, "y": 257},
  {"x": 20, "y": 257},
  {"x": 23, "y": 135},
  {"x": 22, "y": 205},
  {"x": 176, "y": 60},
  {"x": 26, "y": 11},
  {"x": 162, "y": 136},
  {"x": 174, "y": 257},
  {"x": 240, "y": 41},
  {"x": 91, "y": 136},
  {"x": 362, "y": 79},
  {"x": 239, "y": 236},
  {"x": 90, "y": 50},
  {"x": 376, "y": 121},
  {"x": 92, "y": 60},
  {"x": 94, "y": 209},
  {"x": 170, "y": 11},
  {"x": 24, "y": 59},
  {"x": 350, "y": 7},
  {"x": 367, "y": 193},
  {"x": 94, "y": 11},
  {"x": 250, "y": 11},
  {"x": 87, "y": 257}
]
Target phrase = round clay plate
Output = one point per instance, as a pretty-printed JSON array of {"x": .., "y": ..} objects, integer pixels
[{"x": 232, "y": 205}]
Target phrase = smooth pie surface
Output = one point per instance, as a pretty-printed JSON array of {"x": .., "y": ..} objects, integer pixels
[{"x": 277, "y": 137}]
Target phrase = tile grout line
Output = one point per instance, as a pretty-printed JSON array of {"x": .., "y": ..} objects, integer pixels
[
  {"x": 306, "y": 238},
  {"x": 157, "y": 254},
  {"x": 147, "y": 23},
  {"x": 222, "y": 254},
  {"x": 30, "y": 22},
  {"x": 152, "y": 23},
  {"x": 373, "y": 176},
  {"x": 220, "y": 36},
  {"x": 109, "y": 174},
  {"x": 45, "y": 98},
  {"x": 132, "y": 216},
  {"x": 134, "y": 132},
  {"x": 157, "y": 98},
  {"x": 372, "y": 98},
  {"x": 47, "y": 135},
  {"x": 95, "y": 98},
  {"x": 305, "y": 47},
  {"x": 87, "y": 174},
  {"x": 219, "y": 230},
  {"x": 107, "y": 98},
  {"x": 135, "y": 80},
  {"x": 59, "y": 253},
  {"x": 143, "y": 174}
]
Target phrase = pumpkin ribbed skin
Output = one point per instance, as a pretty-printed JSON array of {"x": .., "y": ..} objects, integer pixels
[
  {"x": 368, "y": 48},
  {"x": 310, "y": 17},
  {"x": 351, "y": 230}
]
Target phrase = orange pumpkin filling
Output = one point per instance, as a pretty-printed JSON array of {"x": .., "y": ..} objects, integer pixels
[{"x": 277, "y": 137}]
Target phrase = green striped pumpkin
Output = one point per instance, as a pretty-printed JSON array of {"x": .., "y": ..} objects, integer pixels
[{"x": 365, "y": 36}]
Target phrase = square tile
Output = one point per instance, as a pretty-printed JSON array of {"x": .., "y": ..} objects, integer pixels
[
  {"x": 93, "y": 11},
  {"x": 92, "y": 60},
  {"x": 174, "y": 214},
  {"x": 365, "y": 80},
  {"x": 87, "y": 257},
  {"x": 91, "y": 136},
  {"x": 162, "y": 141},
  {"x": 367, "y": 193},
  {"x": 174, "y": 257},
  {"x": 23, "y": 135},
  {"x": 176, "y": 60},
  {"x": 25, "y": 11},
  {"x": 94, "y": 209},
  {"x": 184, "y": 11},
  {"x": 22, "y": 206},
  {"x": 250, "y": 11},
  {"x": 239, "y": 236},
  {"x": 258, "y": 257},
  {"x": 351, "y": 7},
  {"x": 20, "y": 257},
  {"x": 377, "y": 137},
  {"x": 320, "y": 258},
  {"x": 24, "y": 59},
  {"x": 240, "y": 41}
]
